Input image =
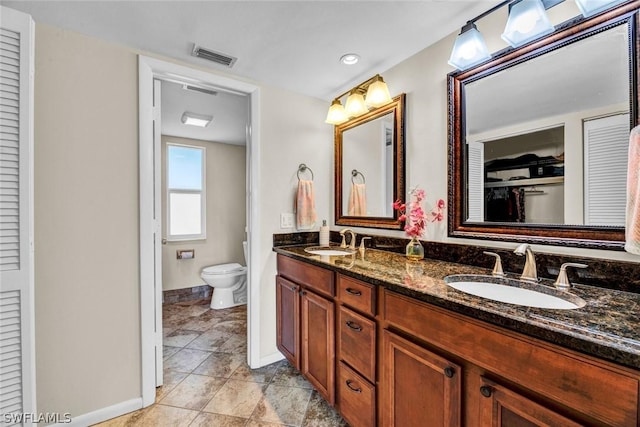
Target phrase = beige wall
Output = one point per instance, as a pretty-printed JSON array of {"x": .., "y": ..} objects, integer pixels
[
  {"x": 86, "y": 223},
  {"x": 290, "y": 136},
  {"x": 86, "y": 215},
  {"x": 226, "y": 213}
]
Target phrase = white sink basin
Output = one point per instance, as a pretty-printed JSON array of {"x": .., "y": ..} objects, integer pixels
[
  {"x": 515, "y": 292},
  {"x": 329, "y": 251}
]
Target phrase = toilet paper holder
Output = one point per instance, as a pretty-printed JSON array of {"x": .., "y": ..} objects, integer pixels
[{"x": 185, "y": 254}]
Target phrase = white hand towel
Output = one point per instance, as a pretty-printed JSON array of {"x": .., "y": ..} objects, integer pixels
[
  {"x": 305, "y": 205},
  {"x": 632, "y": 229},
  {"x": 358, "y": 200}
]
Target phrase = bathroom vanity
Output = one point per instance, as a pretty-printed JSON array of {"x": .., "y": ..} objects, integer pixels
[{"x": 388, "y": 343}]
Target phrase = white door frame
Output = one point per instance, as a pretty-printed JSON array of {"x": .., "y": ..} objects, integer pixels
[{"x": 148, "y": 69}]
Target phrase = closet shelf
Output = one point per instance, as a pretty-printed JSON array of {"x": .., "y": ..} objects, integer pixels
[{"x": 525, "y": 182}]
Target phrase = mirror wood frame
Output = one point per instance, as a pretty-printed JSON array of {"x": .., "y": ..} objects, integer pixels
[
  {"x": 597, "y": 237},
  {"x": 396, "y": 106}
]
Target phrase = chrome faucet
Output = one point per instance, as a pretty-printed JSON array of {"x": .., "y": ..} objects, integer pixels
[
  {"x": 352, "y": 243},
  {"x": 529, "y": 272}
]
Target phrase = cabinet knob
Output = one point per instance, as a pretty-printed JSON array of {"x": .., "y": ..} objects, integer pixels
[
  {"x": 449, "y": 372},
  {"x": 353, "y": 325},
  {"x": 303, "y": 292},
  {"x": 355, "y": 389},
  {"x": 293, "y": 288},
  {"x": 486, "y": 391},
  {"x": 353, "y": 292}
]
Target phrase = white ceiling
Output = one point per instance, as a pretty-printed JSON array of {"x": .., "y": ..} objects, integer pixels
[
  {"x": 294, "y": 45},
  {"x": 230, "y": 114}
]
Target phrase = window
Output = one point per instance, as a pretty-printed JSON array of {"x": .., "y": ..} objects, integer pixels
[{"x": 185, "y": 193}]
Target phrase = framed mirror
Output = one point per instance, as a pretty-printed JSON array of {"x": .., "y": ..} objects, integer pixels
[
  {"x": 369, "y": 167},
  {"x": 538, "y": 137}
]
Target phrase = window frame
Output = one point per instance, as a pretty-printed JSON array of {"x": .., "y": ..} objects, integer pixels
[{"x": 202, "y": 192}]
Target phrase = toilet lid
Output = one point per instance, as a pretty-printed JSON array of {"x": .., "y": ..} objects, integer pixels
[{"x": 222, "y": 268}]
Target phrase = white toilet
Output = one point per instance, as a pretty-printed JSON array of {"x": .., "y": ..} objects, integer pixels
[{"x": 229, "y": 283}]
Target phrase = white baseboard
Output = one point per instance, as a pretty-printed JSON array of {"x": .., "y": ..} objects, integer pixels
[
  {"x": 104, "y": 414},
  {"x": 268, "y": 360}
]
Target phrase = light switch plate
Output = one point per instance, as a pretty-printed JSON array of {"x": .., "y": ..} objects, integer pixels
[{"x": 286, "y": 220}]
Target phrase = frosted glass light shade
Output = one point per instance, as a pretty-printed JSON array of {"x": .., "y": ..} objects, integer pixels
[
  {"x": 592, "y": 7},
  {"x": 377, "y": 93},
  {"x": 336, "y": 114},
  {"x": 527, "y": 21},
  {"x": 355, "y": 104},
  {"x": 469, "y": 49},
  {"x": 196, "y": 119}
]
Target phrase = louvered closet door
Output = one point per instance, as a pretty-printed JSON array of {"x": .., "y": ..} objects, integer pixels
[
  {"x": 606, "y": 146},
  {"x": 17, "y": 382},
  {"x": 475, "y": 186}
]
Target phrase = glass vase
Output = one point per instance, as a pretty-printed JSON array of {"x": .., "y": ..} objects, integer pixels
[{"x": 414, "y": 250}]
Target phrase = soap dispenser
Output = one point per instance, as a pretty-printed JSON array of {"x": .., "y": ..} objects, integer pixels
[{"x": 324, "y": 233}]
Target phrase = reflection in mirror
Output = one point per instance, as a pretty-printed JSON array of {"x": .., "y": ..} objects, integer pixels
[
  {"x": 541, "y": 139},
  {"x": 369, "y": 164},
  {"x": 367, "y": 151},
  {"x": 524, "y": 135}
]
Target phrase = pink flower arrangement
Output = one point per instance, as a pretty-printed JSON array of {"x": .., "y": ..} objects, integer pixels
[{"x": 415, "y": 220}]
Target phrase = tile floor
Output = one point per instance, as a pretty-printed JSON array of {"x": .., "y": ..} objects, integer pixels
[{"x": 207, "y": 381}]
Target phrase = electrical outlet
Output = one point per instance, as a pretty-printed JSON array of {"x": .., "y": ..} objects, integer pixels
[{"x": 286, "y": 220}]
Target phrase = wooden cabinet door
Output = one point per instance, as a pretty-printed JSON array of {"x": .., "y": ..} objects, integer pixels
[
  {"x": 419, "y": 387},
  {"x": 502, "y": 407},
  {"x": 318, "y": 343},
  {"x": 356, "y": 397},
  {"x": 288, "y": 320}
]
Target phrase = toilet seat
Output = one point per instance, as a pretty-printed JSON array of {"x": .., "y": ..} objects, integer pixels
[{"x": 221, "y": 269}]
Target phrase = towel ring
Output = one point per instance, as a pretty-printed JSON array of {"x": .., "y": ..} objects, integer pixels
[
  {"x": 354, "y": 174},
  {"x": 303, "y": 168}
]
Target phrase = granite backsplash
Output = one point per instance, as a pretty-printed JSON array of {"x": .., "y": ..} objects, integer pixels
[{"x": 611, "y": 274}]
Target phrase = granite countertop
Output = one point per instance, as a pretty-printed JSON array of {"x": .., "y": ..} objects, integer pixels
[{"x": 607, "y": 327}]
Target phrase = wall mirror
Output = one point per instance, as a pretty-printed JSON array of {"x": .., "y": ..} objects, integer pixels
[
  {"x": 369, "y": 167},
  {"x": 538, "y": 137}
]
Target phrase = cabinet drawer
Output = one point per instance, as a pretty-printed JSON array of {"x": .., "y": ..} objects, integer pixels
[
  {"x": 592, "y": 387},
  {"x": 357, "y": 342},
  {"x": 356, "y": 398},
  {"x": 357, "y": 294},
  {"x": 311, "y": 276}
]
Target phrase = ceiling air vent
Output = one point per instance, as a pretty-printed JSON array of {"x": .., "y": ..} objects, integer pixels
[
  {"x": 199, "y": 89},
  {"x": 210, "y": 55}
]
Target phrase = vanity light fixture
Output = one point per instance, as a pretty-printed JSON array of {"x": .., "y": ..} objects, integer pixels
[
  {"x": 196, "y": 119},
  {"x": 527, "y": 21},
  {"x": 337, "y": 114},
  {"x": 355, "y": 105},
  {"x": 469, "y": 48},
  {"x": 377, "y": 95},
  {"x": 592, "y": 7}
]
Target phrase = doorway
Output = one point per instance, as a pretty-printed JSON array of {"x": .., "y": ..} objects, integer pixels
[{"x": 150, "y": 69}]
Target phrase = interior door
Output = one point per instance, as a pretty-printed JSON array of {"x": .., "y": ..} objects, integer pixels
[{"x": 17, "y": 356}]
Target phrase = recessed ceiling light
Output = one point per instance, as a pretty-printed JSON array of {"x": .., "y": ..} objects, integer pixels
[
  {"x": 349, "y": 58},
  {"x": 196, "y": 119}
]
